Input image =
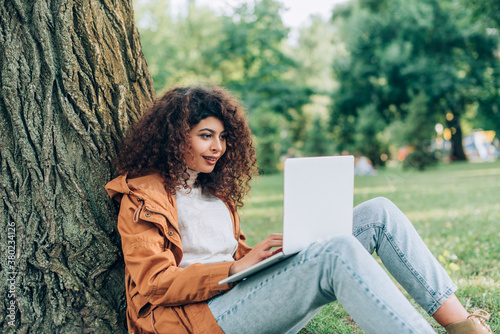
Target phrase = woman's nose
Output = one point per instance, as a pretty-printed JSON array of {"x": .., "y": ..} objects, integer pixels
[{"x": 216, "y": 145}]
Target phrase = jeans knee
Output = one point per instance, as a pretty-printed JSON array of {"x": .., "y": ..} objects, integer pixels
[
  {"x": 376, "y": 207},
  {"x": 344, "y": 243},
  {"x": 345, "y": 240},
  {"x": 382, "y": 203},
  {"x": 377, "y": 212}
]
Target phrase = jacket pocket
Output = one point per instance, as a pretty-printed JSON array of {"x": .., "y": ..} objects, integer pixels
[{"x": 141, "y": 305}]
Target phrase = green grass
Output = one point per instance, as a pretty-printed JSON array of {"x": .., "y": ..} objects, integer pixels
[{"x": 455, "y": 208}]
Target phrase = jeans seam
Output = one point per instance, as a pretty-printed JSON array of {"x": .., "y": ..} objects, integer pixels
[
  {"x": 258, "y": 286},
  {"x": 437, "y": 303},
  {"x": 404, "y": 260},
  {"x": 376, "y": 298},
  {"x": 301, "y": 259}
]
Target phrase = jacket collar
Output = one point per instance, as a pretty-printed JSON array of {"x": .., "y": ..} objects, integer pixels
[
  {"x": 151, "y": 189},
  {"x": 150, "y": 186}
]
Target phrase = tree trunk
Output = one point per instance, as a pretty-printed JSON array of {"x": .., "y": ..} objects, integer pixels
[
  {"x": 457, "y": 152},
  {"x": 73, "y": 77}
]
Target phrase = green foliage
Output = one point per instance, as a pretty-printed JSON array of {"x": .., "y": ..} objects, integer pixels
[
  {"x": 373, "y": 58},
  {"x": 367, "y": 128},
  {"x": 179, "y": 49},
  {"x": 245, "y": 51},
  {"x": 314, "y": 52},
  {"x": 487, "y": 11},
  {"x": 267, "y": 127},
  {"x": 395, "y": 50},
  {"x": 416, "y": 131},
  {"x": 419, "y": 123},
  {"x": 420, "y": 158},
  {"x": 252, "y": 39},
  {"x": 318, "y": 141}
]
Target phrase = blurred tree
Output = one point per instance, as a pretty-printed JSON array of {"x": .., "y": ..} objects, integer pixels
[
  {"x": 73, "y": 77},
  {"x": 179, "y": 46},
  {"x": 252, "y": 59},
  {"x": 487, "y": 11},
  {"x": 318, "y": 141},
  {"x": 253, "y": 63},
  {"x": 417, "y": 131},
  {"x": 486, "y": 113},
  {"x": 367, "y": 129},
  {"x": 245, "y": 51},
  {"x": 395, "y": 48},
  {"x": 314, "y": 52},
  {"x": 268, "y": 128}
]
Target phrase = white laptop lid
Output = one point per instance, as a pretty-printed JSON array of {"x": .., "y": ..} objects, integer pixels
[{"x": 318, "y": 200}]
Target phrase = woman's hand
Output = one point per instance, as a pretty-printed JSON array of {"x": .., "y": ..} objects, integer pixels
[{"x": 260, "y": 252}]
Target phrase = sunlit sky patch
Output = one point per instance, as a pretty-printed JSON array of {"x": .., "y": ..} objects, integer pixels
[{"x": 296, "y": 14}]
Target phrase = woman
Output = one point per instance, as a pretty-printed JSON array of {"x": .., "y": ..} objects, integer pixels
[{"x": 185, "y": 167}]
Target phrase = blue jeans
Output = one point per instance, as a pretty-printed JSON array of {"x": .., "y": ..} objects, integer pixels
[{"x": 284, "y": 297}]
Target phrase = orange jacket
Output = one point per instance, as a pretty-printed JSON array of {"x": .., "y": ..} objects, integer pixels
[{"x": 162, "y": 297}]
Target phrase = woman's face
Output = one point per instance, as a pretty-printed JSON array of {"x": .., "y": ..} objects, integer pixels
[{"x": 208, "y": 144}]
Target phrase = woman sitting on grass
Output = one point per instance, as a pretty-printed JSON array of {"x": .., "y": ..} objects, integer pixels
[{"x": 185, "y": 167}]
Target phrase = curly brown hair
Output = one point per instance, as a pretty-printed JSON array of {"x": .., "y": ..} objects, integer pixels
[{"x": 159, "y": 139}]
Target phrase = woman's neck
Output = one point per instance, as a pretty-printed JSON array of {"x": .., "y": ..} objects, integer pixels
[{"x": 193, "y": 174}]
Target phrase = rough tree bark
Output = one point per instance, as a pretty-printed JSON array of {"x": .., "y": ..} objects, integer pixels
[{"x": 73, "y": 77}]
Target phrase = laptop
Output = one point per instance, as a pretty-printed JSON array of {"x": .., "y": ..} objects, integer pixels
[{"x": 317, "y": 205}]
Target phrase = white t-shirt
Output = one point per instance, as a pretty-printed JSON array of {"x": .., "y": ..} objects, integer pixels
[{"x": 205, "y": 227}]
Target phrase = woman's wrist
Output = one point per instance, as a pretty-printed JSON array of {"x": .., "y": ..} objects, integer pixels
[
  {"x": 231, "y": 269},
  {"x": 235, "y": 268}
]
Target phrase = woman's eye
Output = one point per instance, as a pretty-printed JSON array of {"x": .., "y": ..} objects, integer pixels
[
  {"x": 206, "y": 135},
  {"x": 223, "y": 137}
]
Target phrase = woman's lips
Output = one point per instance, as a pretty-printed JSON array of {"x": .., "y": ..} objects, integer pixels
[{"x": 211, "y": 160}]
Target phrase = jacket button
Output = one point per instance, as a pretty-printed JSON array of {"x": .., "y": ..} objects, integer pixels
[
  {"x": 170, "y": 233},
  {"x": 147, "y": 214}
]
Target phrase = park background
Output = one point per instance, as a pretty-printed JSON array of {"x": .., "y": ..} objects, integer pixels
[
  {"x": 411, "y": 85},
  {"x": 390, "y": 80},
  {"x": 408, "y": 84}
]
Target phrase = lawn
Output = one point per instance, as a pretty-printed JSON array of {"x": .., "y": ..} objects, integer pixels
[{"x": 455, "y": 208}]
